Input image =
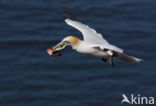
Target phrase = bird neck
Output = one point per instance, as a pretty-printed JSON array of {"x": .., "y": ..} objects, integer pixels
[{"x": 74, "y": 41}]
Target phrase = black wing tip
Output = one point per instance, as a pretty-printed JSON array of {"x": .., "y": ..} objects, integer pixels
[{"x": 67, "y": 15}]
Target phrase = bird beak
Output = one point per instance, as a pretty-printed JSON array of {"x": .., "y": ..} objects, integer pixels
[{"x": 57, "y": 48}]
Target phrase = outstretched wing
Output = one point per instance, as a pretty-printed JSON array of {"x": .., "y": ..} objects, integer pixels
[
  {"x": 89, "y": 34},
  {"x": 126, "y": 57}
]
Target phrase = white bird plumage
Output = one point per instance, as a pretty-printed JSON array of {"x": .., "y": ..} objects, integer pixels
[
  {"x": 91, "y": 36},
  {"x": 93, "y": 43}
]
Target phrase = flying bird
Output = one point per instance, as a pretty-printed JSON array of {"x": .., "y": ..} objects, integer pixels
[{"x": 93, "y": 43}]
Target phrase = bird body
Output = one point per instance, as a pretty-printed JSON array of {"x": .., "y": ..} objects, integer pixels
[{"x": 85, "y": 48}]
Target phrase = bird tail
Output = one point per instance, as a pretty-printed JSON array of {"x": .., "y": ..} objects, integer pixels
[{"x": 126, "y": 57}]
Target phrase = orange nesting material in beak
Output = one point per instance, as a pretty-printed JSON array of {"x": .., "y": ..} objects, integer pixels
[{"x": 52, "y": 52}]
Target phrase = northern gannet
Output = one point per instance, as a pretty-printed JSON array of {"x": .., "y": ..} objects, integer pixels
[{"x": 93, "y": 43}]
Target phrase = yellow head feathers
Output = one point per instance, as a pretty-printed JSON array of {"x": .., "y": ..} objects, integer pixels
[{"x": 74, "y": 41}]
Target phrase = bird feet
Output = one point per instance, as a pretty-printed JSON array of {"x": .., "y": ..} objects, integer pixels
[{"x": 111, "y": 61}]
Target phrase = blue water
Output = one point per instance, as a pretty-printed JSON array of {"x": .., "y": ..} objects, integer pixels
[{"x": 30, "y": 77}]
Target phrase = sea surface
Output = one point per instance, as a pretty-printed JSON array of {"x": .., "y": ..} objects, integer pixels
[{"x": 30, "y": 77}]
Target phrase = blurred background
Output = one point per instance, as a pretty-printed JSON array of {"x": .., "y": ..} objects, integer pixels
[{"x": 30, "y": 77}]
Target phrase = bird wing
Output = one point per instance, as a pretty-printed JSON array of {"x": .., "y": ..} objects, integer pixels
[
  {"x": 90, "y": 35},
  {"x": 126, "y": 57}
]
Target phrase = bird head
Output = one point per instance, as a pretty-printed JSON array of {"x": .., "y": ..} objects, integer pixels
[
  {"x": 67, "y": 41},
  {"x": 72, "y": 41}
]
